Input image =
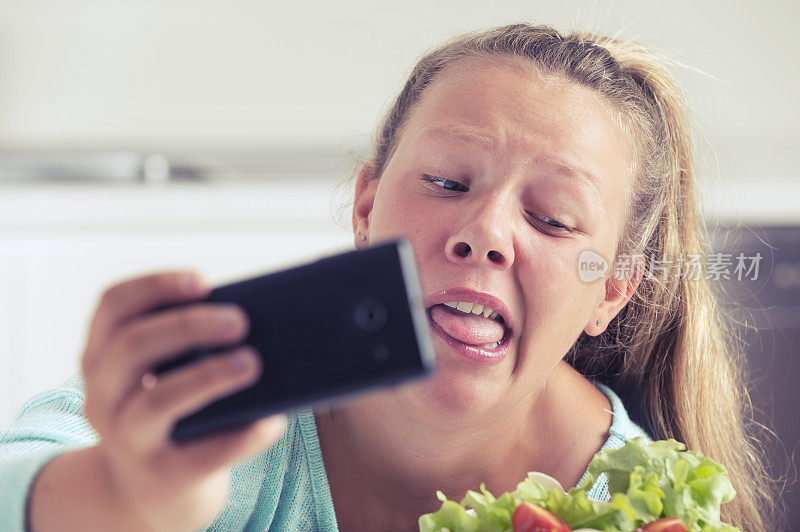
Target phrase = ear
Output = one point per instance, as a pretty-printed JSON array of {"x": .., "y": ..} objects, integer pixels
[
  {"x": 366, "y": 187},
  {"x": 617, "y": 291}
]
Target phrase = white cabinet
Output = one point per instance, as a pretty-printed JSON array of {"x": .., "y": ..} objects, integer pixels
[{"x": 61, "y": 245}]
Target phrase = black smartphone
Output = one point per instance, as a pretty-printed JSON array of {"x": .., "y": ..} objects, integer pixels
[{"x": 325, "y": 331}]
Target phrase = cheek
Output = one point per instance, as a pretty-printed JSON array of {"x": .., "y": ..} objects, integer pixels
[
  {"x": 390, "y": 212},
  {"x": 396, "y": 212},
  {"x": 554, "y": 293}
]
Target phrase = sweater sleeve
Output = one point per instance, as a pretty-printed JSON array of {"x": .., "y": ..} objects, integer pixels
[{"x": 48, "y": 424}]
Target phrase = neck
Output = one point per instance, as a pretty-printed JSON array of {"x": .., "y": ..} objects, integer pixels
[{"x": 403, "y": 456}]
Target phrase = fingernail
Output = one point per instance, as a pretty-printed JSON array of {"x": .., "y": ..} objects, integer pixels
[
  {"x": 189, "y": 283},
  {"x": 242, "y": 361},
  {"x": 230, "y": 318}
]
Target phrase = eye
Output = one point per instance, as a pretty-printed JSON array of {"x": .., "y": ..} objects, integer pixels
[
  {"x": 445, "y": 184},
  {"x": 551, "y": 222}
]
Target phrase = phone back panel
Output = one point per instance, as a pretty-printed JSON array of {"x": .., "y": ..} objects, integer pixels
[{"x": 325, "y": 331}]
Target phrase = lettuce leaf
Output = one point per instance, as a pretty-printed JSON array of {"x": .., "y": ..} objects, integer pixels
[
  {"x": 450, "y": 517},
  {"x": 646, "y": 482},
  {"x": 686, "y": 483}
]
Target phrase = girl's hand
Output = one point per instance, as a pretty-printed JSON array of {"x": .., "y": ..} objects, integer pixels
[{"x": 170, "y": 486}]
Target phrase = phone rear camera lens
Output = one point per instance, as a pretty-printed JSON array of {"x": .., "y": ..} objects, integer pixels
[{"x": 371, "y": 315}]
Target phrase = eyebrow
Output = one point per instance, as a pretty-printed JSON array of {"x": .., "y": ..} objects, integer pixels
[{"x": 475, "y": 135}]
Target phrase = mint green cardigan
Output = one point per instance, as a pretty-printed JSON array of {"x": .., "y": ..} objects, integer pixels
[{"x": 282, "y": 488}]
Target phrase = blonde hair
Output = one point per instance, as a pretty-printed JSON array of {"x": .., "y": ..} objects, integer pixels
[{"x": 671, "y": 342}]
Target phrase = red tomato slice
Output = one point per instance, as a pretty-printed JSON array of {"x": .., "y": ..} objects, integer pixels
[
  {"x": 665, "y": 524},
  {"x": 529, "y": 517}
]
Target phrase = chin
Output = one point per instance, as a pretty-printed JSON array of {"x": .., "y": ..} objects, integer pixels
[{"x": 451, "y": 395}]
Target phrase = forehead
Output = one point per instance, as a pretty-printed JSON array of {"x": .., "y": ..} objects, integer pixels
[{"x": 509, "y": 107}]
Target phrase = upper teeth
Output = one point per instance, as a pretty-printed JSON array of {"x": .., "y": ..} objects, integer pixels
[{"x": 474, "y": 308}]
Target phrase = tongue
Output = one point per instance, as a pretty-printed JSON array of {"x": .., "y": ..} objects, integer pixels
[{"x": 470, "y": 328}]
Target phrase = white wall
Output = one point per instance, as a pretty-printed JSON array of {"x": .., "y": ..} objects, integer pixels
[{"x": 101, "y": 71}]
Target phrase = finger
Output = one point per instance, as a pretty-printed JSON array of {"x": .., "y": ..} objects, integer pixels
[
  {"x": 147, "y": 341},
  {"x": 132, "y": 297},
  {"x": 211, "y": 453},
  {"x": 150, "y": 414}
]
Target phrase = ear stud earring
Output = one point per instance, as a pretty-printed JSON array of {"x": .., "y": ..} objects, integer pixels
[
  {"x": 598, "y": 322},
  {"x": 363, "y": 238}
]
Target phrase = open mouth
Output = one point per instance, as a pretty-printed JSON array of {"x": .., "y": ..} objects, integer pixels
[{"x": 471, "y": 325}]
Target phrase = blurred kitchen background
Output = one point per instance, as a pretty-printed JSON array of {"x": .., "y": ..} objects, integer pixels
[{"x": 137, "y": 136}]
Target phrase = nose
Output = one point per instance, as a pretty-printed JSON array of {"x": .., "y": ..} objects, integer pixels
[{"x": 484, "y": 241}]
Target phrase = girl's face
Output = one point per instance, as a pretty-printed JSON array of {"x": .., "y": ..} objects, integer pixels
[{"x": 481, "y": 185}]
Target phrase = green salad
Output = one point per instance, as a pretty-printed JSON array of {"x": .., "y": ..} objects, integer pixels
[{"x": 656, "y": 486}]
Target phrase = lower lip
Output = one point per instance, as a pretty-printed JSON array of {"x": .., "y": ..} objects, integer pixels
[{"x": 472, "y": 352}]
